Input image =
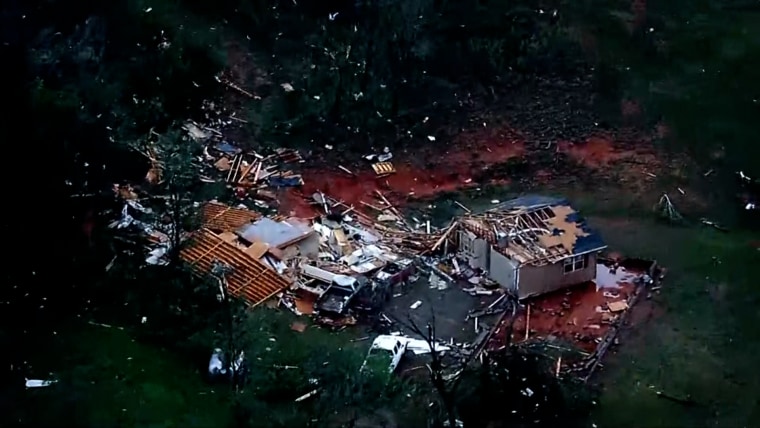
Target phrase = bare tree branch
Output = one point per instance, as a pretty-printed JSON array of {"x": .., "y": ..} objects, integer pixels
[{"x": 436, "y": 366}]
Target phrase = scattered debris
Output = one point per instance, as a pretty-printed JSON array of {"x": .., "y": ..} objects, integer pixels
[
  {"x": 39, "y": 383},
  {"x": 383, "y": 169},
  {"x": 618, "y": 306},
  {"x": 713, "y": 224},
  {"x": 667, "y": 210},
  {"x": 298, "y": 326}
]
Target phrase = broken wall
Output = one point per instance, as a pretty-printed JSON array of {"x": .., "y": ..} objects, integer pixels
[
  {"x": 537, "y": 280},
  {"x": 309, "y": 247},
  {"x": 503, "y": 270},
  {"x": 474, "y": 249}
]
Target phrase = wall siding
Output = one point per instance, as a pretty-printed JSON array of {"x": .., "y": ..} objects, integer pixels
[
  {"x": 503, "y": 270},
  {"x": 474, "y": 249},
  {"x": 309, "y": 247},
  {"x": 479, "y": 257},
  {"x": 536, "y": 280}
]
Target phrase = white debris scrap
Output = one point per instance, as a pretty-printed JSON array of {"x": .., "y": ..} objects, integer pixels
[{"x": 39, "y": 383}]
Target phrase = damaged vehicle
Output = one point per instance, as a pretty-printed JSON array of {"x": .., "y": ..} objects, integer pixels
[
  {"x": 383, "y": 283},
  {"x": 339, "y": 294},
  {"x": 396, "y": 273},
  {"x": 386, "y": 350},
  {"x": 390, "y": 349}
]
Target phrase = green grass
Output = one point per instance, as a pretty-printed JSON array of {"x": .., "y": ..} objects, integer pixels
[
  {"x": 702, "y": 343},
  {"x": 109, "y": 379}
]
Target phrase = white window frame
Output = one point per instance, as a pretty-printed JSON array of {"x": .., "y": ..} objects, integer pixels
[{"x": 574, "y": 263}]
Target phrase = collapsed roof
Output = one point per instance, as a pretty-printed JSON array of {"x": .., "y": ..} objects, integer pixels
[
  {"x": 224, "y": 218},
  {"x": 248, "y": 278},
  {"x": 535, "y": 229}
]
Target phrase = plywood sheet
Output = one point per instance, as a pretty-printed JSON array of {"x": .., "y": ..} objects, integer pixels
[{"x": 257, "y": 250}]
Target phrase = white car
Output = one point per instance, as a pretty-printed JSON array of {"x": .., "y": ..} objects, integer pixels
[
  {"x": 392, "y": 348},
  {"x": 388, "y": 348}
]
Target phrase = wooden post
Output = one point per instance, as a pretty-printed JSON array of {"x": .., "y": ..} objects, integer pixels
[{"x": 527, "y": 324}]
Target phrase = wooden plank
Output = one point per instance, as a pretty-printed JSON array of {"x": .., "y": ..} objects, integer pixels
[
  {"x": 248, "y": 170},
  {"x": 383, "y": 168},
  {"x": 209, "y": 251}
]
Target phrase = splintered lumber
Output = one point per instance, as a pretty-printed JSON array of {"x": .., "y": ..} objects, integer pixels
[
  {"x": 247, "y": 171},
  {"x": 258, "y": 171},
  {"x": 229, "y": 84},
  {"x": 235, "y": 168},
  {"x": 462, "y": 207},
  {"x": 527, "y": 324},
  {"x": 444, "y": 236},
  {"x": 667, "y": 210},
  {"x": 346, "y": 170},
  {"x": 374, "y": 207},
  {"x": 393, "y": 209}
]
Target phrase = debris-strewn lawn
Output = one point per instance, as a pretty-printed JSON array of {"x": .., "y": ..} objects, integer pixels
[
  {"x": 108, "y": 379},
  {"x": 700, "y": 341},
  {"x": 696, "y": 340}
]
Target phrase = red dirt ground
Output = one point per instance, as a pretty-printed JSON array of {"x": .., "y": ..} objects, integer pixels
[
  {"x": 426, "y": 173},
  {"x": 572, "y": 314},
  {"x": 418, "y": 176},
  {"x": 594, "y": 152}
]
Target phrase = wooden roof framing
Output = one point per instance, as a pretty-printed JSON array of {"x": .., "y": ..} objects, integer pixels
[
  {"x": 224, "y": 218},
  {"x": 249, "y": 279},
  {"x": 533, "y": 240}
]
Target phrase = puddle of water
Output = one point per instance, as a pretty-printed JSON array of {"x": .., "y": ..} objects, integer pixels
[{"x": 606, "y": 279}]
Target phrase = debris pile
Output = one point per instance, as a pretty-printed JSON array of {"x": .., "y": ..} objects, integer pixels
[
  {"x": 142, "y": 226},
  {"x": 252, "y": 174}
]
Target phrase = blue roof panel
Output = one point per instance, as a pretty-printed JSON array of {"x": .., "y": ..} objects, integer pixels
[{"x": 592, "y": 241}]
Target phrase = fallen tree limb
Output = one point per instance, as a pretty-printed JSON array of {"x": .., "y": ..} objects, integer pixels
[{"x": 682, "y": 401}]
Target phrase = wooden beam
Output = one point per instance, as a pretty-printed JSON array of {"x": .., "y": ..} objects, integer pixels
[
  {"x": 209, "y": 251},
  {"x": 247, "y": 171},
  {"x": 245, "y": 284}
]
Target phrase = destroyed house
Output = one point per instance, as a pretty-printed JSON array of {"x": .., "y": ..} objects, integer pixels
[{"x": 531, "y": 245}]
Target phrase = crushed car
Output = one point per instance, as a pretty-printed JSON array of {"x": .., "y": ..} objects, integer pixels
[{"x": 339, "y": 294}]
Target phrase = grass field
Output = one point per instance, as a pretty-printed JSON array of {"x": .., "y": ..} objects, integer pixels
[
  {"x": 702, "y": 341},
  {"x": 107, "y": 379}
]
